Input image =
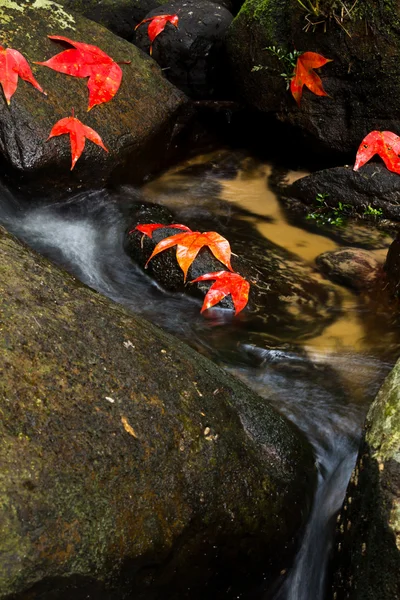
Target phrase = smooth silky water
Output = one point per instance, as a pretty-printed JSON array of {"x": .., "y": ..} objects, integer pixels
[{"x": 324, "y": 384}]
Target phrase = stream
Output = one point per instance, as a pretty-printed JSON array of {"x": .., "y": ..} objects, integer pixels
[{"x": 324, "y": 383}]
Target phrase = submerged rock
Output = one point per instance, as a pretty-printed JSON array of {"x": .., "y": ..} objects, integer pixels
[
  {"x": 136, "y": 125},
  {"x": 352, "y": 267},
  {"x": 362, "y": 80},
  {"x": 130, "y": 465},
  {"x": 367, "y": 549},
  {"x": 193, "y": 54}
]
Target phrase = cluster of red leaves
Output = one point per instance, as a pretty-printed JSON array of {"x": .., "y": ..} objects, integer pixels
[
  {"x": 188, "y": 245},
  {"x": 83, "y": 60}
]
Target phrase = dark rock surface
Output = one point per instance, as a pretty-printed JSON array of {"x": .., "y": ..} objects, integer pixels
[
  {"x": 131, "y": 465},
  {"x": 367, "y": 548},
  {"x": 193, "y": 55},
  {"x": 362, "y": 80},
  {"x": 122, "y": 16},
  {"x": 371, "y": 186},
  {"x": 136, "y": 124}
]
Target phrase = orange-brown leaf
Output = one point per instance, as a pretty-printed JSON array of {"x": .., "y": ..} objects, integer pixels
[
  {"x": 226, "y": 283},
  {"x": 12, "y": 65},
  {"x": 189, "y": 245},
  {"x": 77, "y": 132},
  {"x": 305, "y": 75}
]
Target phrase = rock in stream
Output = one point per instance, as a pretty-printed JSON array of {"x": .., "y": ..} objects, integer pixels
[{"x": 131, "y": 465}]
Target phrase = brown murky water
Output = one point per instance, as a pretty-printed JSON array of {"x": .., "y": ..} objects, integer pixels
[{"x": 249, "y": 190}]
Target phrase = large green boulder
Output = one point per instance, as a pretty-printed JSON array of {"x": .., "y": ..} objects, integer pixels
[
  {"x": 135, "y": 126},
  {"x": 130, "y": 464},
  {"x": 363, "y": 82},
  {"x": 367, "y": 549}
]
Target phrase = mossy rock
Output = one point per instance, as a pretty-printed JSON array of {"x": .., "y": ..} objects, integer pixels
[
  {"x": 367, "y": 548},
  {"x": 362, "y": 80},
  {"x": 129, "y": 463},
  {"x": 135, "y": 125}
]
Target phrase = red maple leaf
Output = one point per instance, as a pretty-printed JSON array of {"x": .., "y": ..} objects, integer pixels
[
  {"x": 148, "y": 228},
  {"x": 304, "y": 75},
  {"x": 12, "y": 65},
  {"x": 88, "y": 61},
  {"x": 384, "y": 143},
  {"x": 189, "y": 245},
  {"x": 226, "y": 283},
  {"x": 157, "y": 25},
  {"x": 77, "y": 132}
]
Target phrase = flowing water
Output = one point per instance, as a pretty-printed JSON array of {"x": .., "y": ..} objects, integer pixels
[{"x": 323, "y": 383}]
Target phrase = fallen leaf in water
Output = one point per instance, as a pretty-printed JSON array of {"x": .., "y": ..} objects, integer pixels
[
  {"x": 157, "y": 25},
  {"x": 12, "y": 65},
  {"x": 128, "y": 428},
  {"x": 189, "y": 245},
  {"x": 226, "y": 283},
  {"x": 304, "y": 75},
  {"x": 384, "y": 143},
  {"x": 86, "y": 60},
  {"x": 77, "y": 132}
]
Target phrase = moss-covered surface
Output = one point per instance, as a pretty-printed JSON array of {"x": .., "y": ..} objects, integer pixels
[
  {"x": 140, "y": 115},
  {"x": 120, "y": 446},
  {"x": 362, "y": 80},
  {"x": 367, "y": 550}
]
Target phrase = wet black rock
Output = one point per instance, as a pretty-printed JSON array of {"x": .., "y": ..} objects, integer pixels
[
  {"x": 362, "y": 80},
  {"x": 371, "y": 187},
  {"x": 120, "y": 16},
  {"x": 193, "y": 54}
]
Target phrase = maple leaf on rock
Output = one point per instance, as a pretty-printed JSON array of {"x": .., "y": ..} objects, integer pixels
[
  {"x": 384, "y": 143},
  {"x": 157, "y": 25},
  {"x": 78, "y": 132},
  {"x": 226, "y": 283},
  {"x": 86, "y": 60},
  {"x": 12, "y": 65},
  {"x": 148, "y": 228},
  {"x": 189, "y": 245},
  {"x": 305, "y": 75}
]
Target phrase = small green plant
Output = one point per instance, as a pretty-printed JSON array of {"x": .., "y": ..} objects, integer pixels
[
  {"x": 288, "y": 60},
  {"x": 326, "y": 215},
  {"x": 370, "y": 211}
]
